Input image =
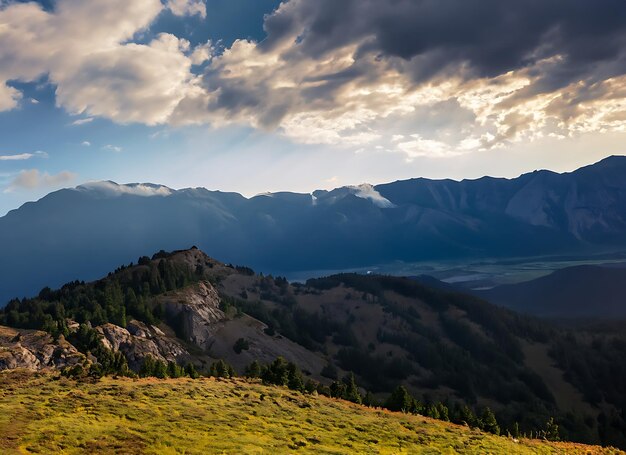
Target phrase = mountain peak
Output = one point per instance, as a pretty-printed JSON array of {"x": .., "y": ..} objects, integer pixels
[{"x": 613, "y": 160}]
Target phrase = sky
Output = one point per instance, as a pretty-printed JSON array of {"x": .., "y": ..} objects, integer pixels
[{"x": 262, "y": 95}]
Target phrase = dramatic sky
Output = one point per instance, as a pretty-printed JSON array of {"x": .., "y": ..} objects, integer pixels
[{"x": 263, "y": 95}]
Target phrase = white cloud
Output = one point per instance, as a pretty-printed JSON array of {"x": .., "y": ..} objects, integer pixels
[
  {"x": 367, "y": 191},
  {"x": 82, "y": 121},
  {"x": 9, "y": 97},
  {"x": 86, "y": 144},
  {"x": 202, "y": 53},
  {"x": 86, "y": 50},
  {"x": 112, "y": 148},
  {"x": 23, "y": 156},
  {"x": 137, "y": 189},
  {"x": 33, "y": 178},
  {"x": 187, "y": 7}
]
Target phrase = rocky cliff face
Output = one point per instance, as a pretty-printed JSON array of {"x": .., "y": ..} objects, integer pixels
[
  {"x": 195, "y": 310},
  {"x": 139, "y": 340},
  {"x": 35, "y": 350}
]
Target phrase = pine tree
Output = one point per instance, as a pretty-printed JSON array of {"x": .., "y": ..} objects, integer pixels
[
  {"x": 368, "y": 399},
  {"x": 400, "y": 400},
  {"x": 432, "y": 411},
  {"x": 190, "y": 370},
  {"x": 337, "y": 389},
  {"x": 467, "y": 416},
  {"x": 323, "y": 389},
  {"x": 489, "y": 422},
  {"x": 310, "y": 386},
  {"x": 515, "y": 433},
  {"x": 120, "y": 364},
  {"x": 221, "y": 369},
  {"x": 352, "y": 391},
  {"x": 443, "y": 412},
  {"x": 174, "y": 370},
  {"x": 160, "y": 369},
  {"x": 276, "y": 373},
  {"x": 147, "y": 367},
  {"x": 253, "y": 370},
  {"x": 552, "y": 430},
  {"x": 295, "y": 380}
]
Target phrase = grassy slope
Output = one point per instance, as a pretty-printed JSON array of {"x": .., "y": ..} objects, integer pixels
[{"x": 38, "y": 414}]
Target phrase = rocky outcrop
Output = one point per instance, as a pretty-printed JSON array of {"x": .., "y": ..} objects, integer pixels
[
  {"x": 139, "y": 340},
  {"x": 35, "y": 350},
  {"x": 194, "y": 311}
]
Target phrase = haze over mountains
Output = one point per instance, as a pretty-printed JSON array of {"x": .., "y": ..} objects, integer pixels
[{"x": 86, "y": 231}]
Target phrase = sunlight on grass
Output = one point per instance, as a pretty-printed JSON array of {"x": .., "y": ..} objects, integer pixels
[{"x": 40, "y": 413}]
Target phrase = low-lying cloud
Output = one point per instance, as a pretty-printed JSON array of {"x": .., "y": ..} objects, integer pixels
[{"x": 136, "y": 189}]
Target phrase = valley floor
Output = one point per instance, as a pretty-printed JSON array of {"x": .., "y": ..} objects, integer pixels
[{"x": 43, "y": 413}]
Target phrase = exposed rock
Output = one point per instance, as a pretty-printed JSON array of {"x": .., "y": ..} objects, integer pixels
[
  {"x": 139, "y": 340},
  {"x": 35, "y": 350},
  {"x": 195, "y": 310}
]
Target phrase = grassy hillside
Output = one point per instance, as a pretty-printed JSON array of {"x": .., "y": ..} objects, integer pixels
[{"x": 40, "y": 413}]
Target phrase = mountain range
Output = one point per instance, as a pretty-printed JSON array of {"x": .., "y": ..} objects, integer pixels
[{"x": 85, "y": 231}]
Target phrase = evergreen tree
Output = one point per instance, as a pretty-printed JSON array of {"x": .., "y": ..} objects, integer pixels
[
  {"x": 276, "y": 373},
  {"x": 515, "y": 433},
  {"x": 400, "y": 400},
  {"x": 368, "y": 400},
  {"x": 337, "y": 389},
  {"x": 295, "y": 379},
  {"x": 467, "y": 416},
  {"x": 352, "y": 391},
  {"x": 488, "y": 422},
  {"x": 120, "y": 364},
  {"x": 552, "y": 430},
  {"x": 444, "y": 414},
  {"x": 241, "y": 345},
  {"x": 253, "y": 370},
  {"x": 190, "y": 370},
  {"x": 160, "y": 369},
  {"x": 147, "y": 367},
  {"x": 323, "y": 389},
  {"x": 174, "y": 370},
  {"x": 432, "y": 411},
  {"x": 310, "y": 386},
  {"x": 221, "y": 369}
]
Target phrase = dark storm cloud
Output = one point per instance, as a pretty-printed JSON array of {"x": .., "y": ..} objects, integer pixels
[
  {"x": 358, "y": 71},
  {"x": 491, "y": 37}
]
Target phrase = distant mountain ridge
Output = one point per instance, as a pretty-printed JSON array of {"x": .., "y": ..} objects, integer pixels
[
  {"x": 574, "y": 292},
  {"x": 85, "y": 231}
]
